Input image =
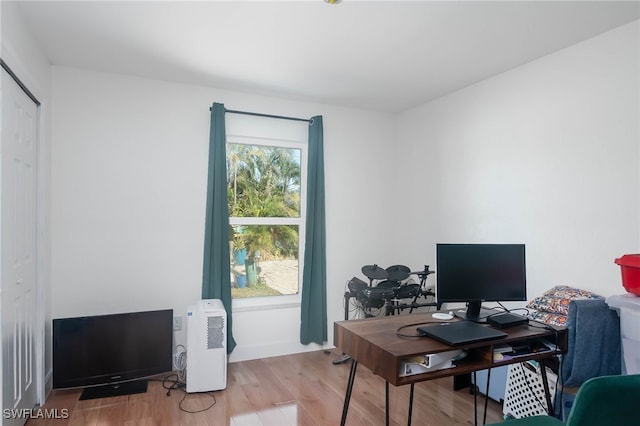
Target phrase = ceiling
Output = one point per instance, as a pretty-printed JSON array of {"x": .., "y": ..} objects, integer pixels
[{"x": 377, "y": 55}]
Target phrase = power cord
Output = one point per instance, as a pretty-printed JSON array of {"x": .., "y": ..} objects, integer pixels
[
  {"x": 533, "y": 392},
  {"x": 177, "y": 380},
  {"x": 172, "y": 382},
  {"x": 513, "y": 309},
  {"x": 398, "y": 331},
  {"x": 558, "y": 385},
  {"x": 180, "y": 362}
]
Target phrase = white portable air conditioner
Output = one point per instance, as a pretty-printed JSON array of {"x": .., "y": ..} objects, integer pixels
[{"x": 206, "y": 346}]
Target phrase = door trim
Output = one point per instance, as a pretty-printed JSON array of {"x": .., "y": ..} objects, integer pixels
[{"x": 40, "y": 338}]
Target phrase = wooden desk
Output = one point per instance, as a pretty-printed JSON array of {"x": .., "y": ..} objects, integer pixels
[{"x": 375, "y": 343}]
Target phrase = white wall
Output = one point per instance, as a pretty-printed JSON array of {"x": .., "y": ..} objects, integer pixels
[
  {"x": 546, "y": 154},
  {"x": 22, "y": 54},
  {"x": 129, "y": 172}
]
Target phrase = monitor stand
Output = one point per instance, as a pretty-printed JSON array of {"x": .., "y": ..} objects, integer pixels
[
  {"x": 475, "y": 312},
  {"x": 105, "y": 391}
]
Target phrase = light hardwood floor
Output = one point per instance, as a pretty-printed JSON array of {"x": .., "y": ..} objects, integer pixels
[{"x": 301, "y": 389}]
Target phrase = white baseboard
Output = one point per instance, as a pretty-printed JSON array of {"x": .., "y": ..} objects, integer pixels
[{"x": 246, "y": 353}]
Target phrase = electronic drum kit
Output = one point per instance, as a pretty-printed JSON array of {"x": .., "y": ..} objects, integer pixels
[
  {"x": 390, "y": 289},
  {"x": 389, "y": 292}
]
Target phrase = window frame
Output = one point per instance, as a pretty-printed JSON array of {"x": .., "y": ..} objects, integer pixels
[{"x": 285, "y": 300}]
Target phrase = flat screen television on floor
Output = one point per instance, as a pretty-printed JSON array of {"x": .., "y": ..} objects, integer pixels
[
  {"x": 111, "y": 354},
  {"x": 476, "y": 273}
]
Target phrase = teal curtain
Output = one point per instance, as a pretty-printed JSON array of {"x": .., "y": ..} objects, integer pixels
[
  {"x": 313, "y": 327},
  {"x": 216, "y": 274}
]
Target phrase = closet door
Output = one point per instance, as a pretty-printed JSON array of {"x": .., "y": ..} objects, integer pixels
[{"x": 18, "y": 236}]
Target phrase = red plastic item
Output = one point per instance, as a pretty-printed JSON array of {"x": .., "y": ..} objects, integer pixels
[{"x": 630, "y": 266}]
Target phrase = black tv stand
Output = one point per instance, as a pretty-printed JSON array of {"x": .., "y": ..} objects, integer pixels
[{"x": 118, "y": 389}]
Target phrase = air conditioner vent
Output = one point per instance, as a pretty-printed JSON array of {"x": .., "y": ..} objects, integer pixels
[{"x": 215, "y": 332}]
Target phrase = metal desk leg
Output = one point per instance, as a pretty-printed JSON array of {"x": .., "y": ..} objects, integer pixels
[
  {"x": 344, "y": 357},
  {"x": 545, "y": 384},
  {"x": 386, "y": 403},
  {"x": 410, "y": 404},
  {"x": 347, "y": 396},
  {"x": 475, "y": 400},
  {"x": 486, "y": 397}
]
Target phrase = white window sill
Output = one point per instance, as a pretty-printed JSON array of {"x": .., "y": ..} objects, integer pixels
[{"x": 265, "y": 303}]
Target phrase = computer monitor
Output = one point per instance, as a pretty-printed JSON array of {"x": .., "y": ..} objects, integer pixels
[{"x": 476, "y": 273}]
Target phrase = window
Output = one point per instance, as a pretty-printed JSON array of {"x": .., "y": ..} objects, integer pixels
[{"x": 266, "y": 196}]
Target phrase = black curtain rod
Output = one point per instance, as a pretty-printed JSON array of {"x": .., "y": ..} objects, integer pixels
[{"x": 257, "y": 114}]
